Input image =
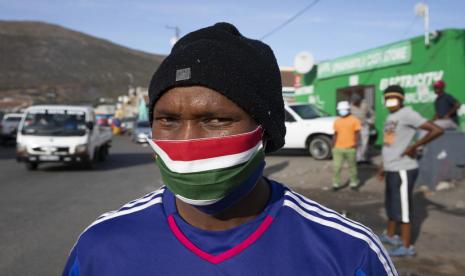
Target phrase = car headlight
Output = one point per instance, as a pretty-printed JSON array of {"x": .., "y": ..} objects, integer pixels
[
  {"x": 141, "y": 135},
  {"x": 81, "y": 148}
]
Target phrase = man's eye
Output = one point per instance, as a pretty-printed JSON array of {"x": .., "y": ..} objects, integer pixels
[
  {"x": 218, "y": 121},
  {"x": 165, "y": 120}
]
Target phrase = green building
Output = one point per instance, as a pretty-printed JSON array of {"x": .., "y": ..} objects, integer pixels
[{"x": 409, "y": 63}]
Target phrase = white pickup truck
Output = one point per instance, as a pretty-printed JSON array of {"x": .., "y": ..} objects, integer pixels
[
  {"x": 61, "y": 133},
  {"x": 309, "y": 128}
]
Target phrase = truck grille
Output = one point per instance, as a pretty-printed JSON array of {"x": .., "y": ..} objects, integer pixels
[{"x": 51, "y": 150}]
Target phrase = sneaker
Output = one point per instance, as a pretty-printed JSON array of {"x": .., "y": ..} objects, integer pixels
[
  {"x": 402, "y": 251},
  {"x": 394, "y": 240},
  {"x": 354, "y": 186},
  {"x": 336, "y": 187}
]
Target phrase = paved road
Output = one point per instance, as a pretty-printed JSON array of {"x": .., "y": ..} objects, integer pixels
[{"x": 42, "y": 212}]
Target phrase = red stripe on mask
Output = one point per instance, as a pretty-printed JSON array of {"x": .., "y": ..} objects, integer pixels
[{"x": 204, "y": 148}]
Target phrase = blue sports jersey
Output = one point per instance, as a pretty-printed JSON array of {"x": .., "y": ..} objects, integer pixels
[{"x": 292, "y": 236}]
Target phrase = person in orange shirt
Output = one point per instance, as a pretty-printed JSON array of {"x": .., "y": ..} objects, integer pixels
[{"x": 345, "y": 140}]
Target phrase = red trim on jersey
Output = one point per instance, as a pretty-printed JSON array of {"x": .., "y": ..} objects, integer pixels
[{"x": 216, "y": 259}]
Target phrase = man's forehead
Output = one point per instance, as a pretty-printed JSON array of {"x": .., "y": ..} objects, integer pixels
[
  {"x": 192, "y": 89},
  {"x": 194, "y": 93},
  {"x": 194, "y": 97}
]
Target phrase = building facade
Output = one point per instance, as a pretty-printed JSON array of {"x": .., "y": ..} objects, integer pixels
[{"x": 410, "y": 63}]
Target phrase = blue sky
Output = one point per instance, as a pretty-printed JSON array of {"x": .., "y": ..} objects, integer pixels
[{"x": 329, "y": 29}]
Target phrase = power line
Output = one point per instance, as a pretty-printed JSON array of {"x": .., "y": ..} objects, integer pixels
[
  {"x": 290, "y": 20},
  {"x": 410, "y": 27}
]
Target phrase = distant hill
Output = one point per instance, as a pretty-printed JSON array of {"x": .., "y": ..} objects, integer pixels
[{"x": 39, "y": 59}]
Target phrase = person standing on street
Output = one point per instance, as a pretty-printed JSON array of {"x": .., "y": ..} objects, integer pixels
[
  {"x": 365, "y": 114},
  {"x": 345, "y": 140},
  {"x": 446, "y": 107},
  {"x": 400, "y": 167},
  {"x": 216, "y": 107}
]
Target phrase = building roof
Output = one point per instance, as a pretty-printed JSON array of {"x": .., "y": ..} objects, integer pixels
[{"x": 287, "y": 77}]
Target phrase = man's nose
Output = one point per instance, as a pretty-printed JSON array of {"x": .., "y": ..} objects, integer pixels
[{"x": 189, "y": 129}]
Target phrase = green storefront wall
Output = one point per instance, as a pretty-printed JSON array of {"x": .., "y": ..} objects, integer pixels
[{"x": 443, "y": 59}]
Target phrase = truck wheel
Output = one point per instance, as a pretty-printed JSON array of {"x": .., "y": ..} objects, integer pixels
[
  {"x": 89, "y": 164},
  {"x": 97, "y": 154},
  {"x": 320, "y": 147},
  {"x": 31, "y": 166},
  {"x": 103, "y": 152}
]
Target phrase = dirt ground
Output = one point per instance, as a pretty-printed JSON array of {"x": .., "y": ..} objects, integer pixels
[{"x": 439, "y": 216}]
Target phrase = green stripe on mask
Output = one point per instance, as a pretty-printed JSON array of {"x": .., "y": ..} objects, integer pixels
[{"x": 213, "y": 184}]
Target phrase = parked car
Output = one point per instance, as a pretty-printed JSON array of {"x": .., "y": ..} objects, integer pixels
[
  {"x": 141, "y": 131},
  {"x": 61, "y": 133},
  {"x": 9, "y": 126},
  {"x": 310, "y": 128}
]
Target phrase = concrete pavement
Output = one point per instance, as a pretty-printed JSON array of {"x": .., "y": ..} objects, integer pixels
[{"x": 44, "y": 211}]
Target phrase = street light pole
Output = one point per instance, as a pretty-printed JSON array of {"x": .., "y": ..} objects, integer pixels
[
  {"x": 426, "y": 22},
  {"x": 422, "y": 10}
]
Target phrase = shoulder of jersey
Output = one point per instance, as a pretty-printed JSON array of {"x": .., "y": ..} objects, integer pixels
[
  {"x": 315, "y": 213},
  {"x": 131, "y": 207}
]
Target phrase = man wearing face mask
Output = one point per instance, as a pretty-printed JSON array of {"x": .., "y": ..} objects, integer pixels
[
  {"x": 216, "y": 107},
  {"x": 362, "y": 111},
  {"x": 345, "y": 141},
  {"x": 400, "y": 168},
  {"x": 445, "y": 106}
]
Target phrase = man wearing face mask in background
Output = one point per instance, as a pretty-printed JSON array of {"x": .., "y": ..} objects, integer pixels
[
  {"x": 400, "y": 167},
  {"x": 216, "y": 107},
  {"x": 362, "y": 111},
  {"x": 445, "y": 107},
  {"x": 345, "y": 141}
]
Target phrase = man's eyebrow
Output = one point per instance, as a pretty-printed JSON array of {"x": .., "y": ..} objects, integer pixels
[
  {"x": 166, "y": 113},
  {"x": 219, "y": 113},
  {"x": 200, "y": 114}
]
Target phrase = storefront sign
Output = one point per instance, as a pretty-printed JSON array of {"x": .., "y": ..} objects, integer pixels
[
  {"x": 418, "y": 87},
  {"x": 412, "y": 80},
  {"x": 377, "y": 58}
]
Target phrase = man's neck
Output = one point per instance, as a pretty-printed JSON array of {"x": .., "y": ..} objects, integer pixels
[{"x": 243, "y": 211}]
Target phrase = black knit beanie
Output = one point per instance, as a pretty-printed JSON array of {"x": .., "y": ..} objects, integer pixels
[
  {"x": 394, "y": 90},
  {"x": 242, "y": 69}
]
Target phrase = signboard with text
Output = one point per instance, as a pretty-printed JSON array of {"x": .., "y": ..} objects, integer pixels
[{"x": 376, "y": 58}]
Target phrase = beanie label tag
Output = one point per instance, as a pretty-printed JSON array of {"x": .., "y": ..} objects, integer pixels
[{"x": 183, "y": 74}]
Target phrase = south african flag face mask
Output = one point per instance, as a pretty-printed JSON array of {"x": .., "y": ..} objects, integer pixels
[{"x": 211, "y": 173}]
